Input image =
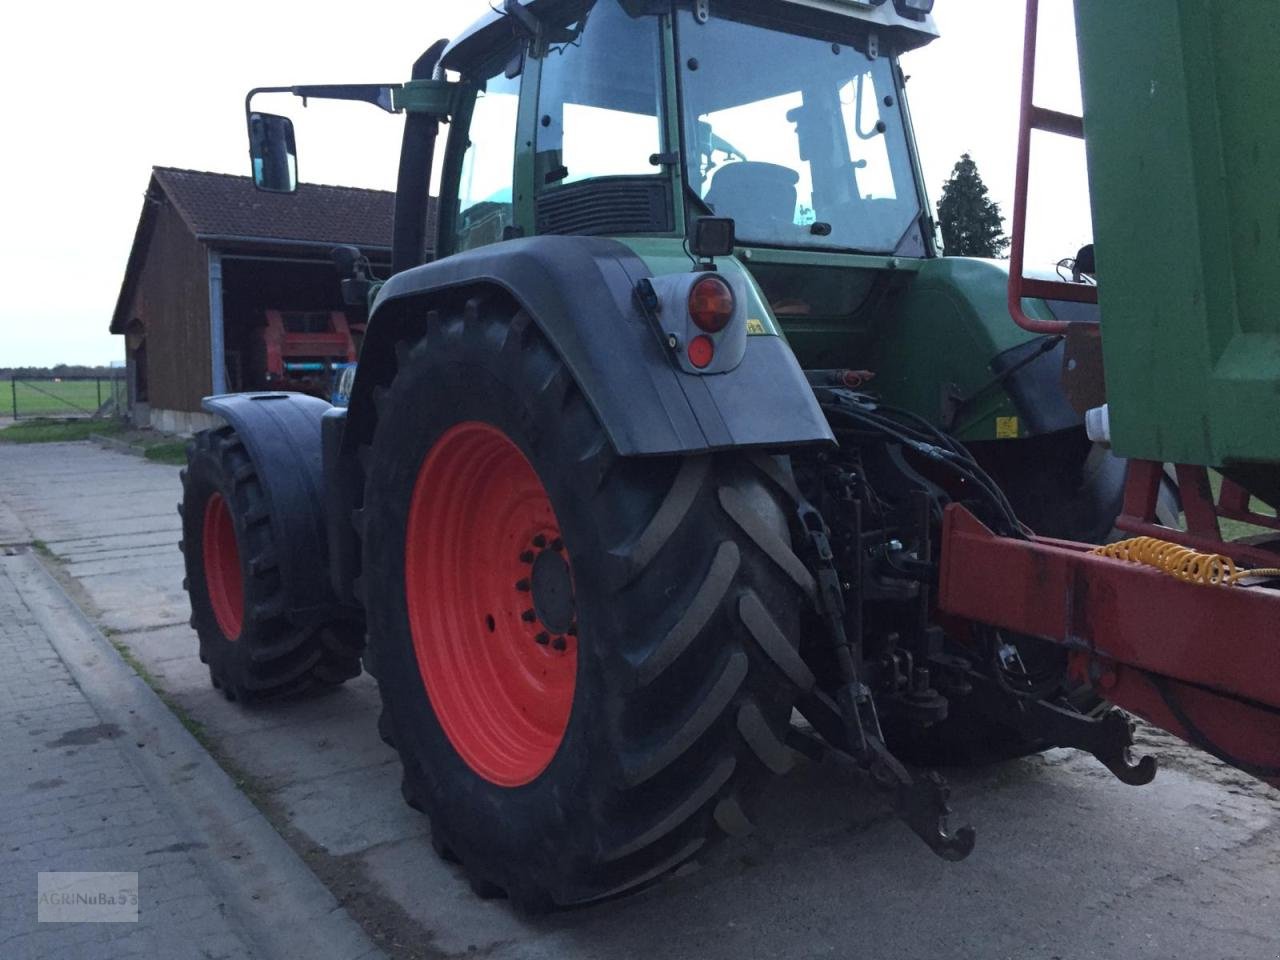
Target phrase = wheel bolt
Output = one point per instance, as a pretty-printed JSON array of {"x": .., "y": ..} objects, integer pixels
[
  {"x": 523, "y": 586},
  {"x": 559, "y": 643},
  {"x": 539, "y": 541},
  {"x": 573, "y": 630},
  {"x": 526, "y": 557},
  {"x": 528, "y": 616},
  {"x": 557, "y": 545},
  {"x": 543, "y": 639}
]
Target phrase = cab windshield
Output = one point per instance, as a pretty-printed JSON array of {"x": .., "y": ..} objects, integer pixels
[{"x": 799, "y": 140}]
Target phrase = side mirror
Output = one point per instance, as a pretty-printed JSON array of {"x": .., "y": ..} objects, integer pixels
[{"x": 274, "y": 153}]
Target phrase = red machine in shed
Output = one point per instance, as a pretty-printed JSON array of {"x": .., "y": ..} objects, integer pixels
[{"x": 302, "y": 349}]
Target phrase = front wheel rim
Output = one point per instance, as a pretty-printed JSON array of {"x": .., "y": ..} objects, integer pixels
[
  {"x": 490, "y": 601},
  {"x": 222, "y": 576}
]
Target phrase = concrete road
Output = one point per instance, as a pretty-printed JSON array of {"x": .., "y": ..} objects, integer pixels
[
  {"x": 101, "y": 776},
  {"x": 1070, "y": 863}
]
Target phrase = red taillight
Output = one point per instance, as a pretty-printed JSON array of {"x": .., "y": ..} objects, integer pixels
[
  {"x": 702, "y": 350},
  {"x": 711, "y": 304}
]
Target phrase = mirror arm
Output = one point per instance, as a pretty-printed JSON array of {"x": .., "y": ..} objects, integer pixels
[
  {"x": 378, "y": 94},
  {"x": 438, "y": 98}
]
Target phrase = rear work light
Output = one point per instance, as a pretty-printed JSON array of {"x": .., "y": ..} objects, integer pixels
[{"x": 711, "y": 304}]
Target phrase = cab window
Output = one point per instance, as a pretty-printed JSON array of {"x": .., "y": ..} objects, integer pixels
[{"x": 485, "y": 208}]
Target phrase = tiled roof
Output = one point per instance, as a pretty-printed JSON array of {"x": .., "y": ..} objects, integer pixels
[
  {"x": 221, "y": 209},
  {"x": 221, "y": 205}
]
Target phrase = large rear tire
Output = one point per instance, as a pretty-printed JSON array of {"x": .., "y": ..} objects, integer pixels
[
  {"x": 256, "y": 646},
  {"x": 587, "y": 664}
]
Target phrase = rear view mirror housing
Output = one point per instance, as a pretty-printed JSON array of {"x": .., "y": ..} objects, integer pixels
[{"x": 273, "y": 152}]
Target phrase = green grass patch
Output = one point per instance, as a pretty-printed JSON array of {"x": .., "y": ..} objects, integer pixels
[
  {"x": 171, "y": 452},
  {"x": 1236, "y": 529},
  {"x": 68, "y": 398},
  {"x": 58, "y": 431}
]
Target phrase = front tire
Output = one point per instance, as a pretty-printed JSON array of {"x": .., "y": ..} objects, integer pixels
[
  {"x": 256, "y": 646},
  {"x": 587, "y": 664}
]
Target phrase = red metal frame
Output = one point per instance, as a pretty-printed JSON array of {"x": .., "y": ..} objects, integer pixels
[
  {"x": 1204, "y": 532},
  {"x": 281, "y": 345},
  {"x": 1052, "y": 121},
  {"x": 1233, "y": 504},
  {"x": 1202, "y": 662},
  {"x": 334, "y": 346}
]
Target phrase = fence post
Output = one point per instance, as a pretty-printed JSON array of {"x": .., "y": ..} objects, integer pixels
[
  {"x": 98, "y": 383},
  {"x": 13, "y": 386}
]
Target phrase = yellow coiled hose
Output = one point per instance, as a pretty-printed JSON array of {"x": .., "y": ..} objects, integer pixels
[{"x": 1209, "y": 569}]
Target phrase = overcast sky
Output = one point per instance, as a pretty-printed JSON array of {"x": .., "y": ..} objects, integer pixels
[{"x": 96, "y": 93}]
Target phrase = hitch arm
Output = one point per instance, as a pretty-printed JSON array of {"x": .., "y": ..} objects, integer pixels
[
  {"x": 849, "y": 721},
  {"x": 1202, "y": 662},
  {"x": 922, "y": 803},
  {"x": 1109, "y": 737}
]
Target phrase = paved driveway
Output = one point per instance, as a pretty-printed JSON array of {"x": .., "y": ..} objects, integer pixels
[{"x": 1070, "y": 863}]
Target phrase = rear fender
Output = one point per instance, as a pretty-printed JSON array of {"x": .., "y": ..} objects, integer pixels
[{"x": 580, "y": 291}]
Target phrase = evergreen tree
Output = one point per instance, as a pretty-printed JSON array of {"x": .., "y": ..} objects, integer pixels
[{"x": 971, "y": 222}]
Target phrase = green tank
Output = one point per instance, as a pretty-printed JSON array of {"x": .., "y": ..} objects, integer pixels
[{"x": 1182, "y": 115}]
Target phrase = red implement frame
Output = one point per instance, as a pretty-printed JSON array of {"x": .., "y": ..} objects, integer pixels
[
  {"x": 1204, "y": 532},
  {"x": 1201, "y": 662},
  {"x": 1051, "y": 121}
]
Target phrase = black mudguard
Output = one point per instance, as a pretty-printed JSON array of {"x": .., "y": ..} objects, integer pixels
[
  {"x": 581, "y": 293},
  {"x": 281, "y": 432}
]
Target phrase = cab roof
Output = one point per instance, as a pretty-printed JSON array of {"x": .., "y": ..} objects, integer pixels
[{"x": 495, "y": 29}]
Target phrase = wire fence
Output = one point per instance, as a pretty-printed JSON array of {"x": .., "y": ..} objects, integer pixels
[{"x": 66, "y": 397}]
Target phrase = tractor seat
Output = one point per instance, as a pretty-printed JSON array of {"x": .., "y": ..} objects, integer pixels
[{"x": 762, "y": 195}]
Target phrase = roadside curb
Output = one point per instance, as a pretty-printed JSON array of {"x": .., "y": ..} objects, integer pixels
[{"x": 266, "y": 889}]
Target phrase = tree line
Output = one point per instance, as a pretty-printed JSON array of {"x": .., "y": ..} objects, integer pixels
[{"x": 59, "y": 370}]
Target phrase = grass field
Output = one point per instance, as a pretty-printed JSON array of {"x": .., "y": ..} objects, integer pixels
[
  {"x": 171, "y": 452},
  {"x": 50, "y": 398},
  {"x": 157, "y": 447},
  {"x": 1234, "y": 529}
]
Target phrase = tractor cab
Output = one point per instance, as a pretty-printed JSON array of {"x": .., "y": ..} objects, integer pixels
[{"x": 628, "y": 118}]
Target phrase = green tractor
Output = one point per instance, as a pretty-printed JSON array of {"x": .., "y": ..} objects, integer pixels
[{"x": 657, "y": 450}]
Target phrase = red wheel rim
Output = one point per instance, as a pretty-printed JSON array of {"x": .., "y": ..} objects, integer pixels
[
  {"x": 496, "y": 646},
  {"x": 222, "y": 567}
]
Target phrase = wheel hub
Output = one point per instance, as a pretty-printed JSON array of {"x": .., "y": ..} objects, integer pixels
[{"x": 552, "y": 589}]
